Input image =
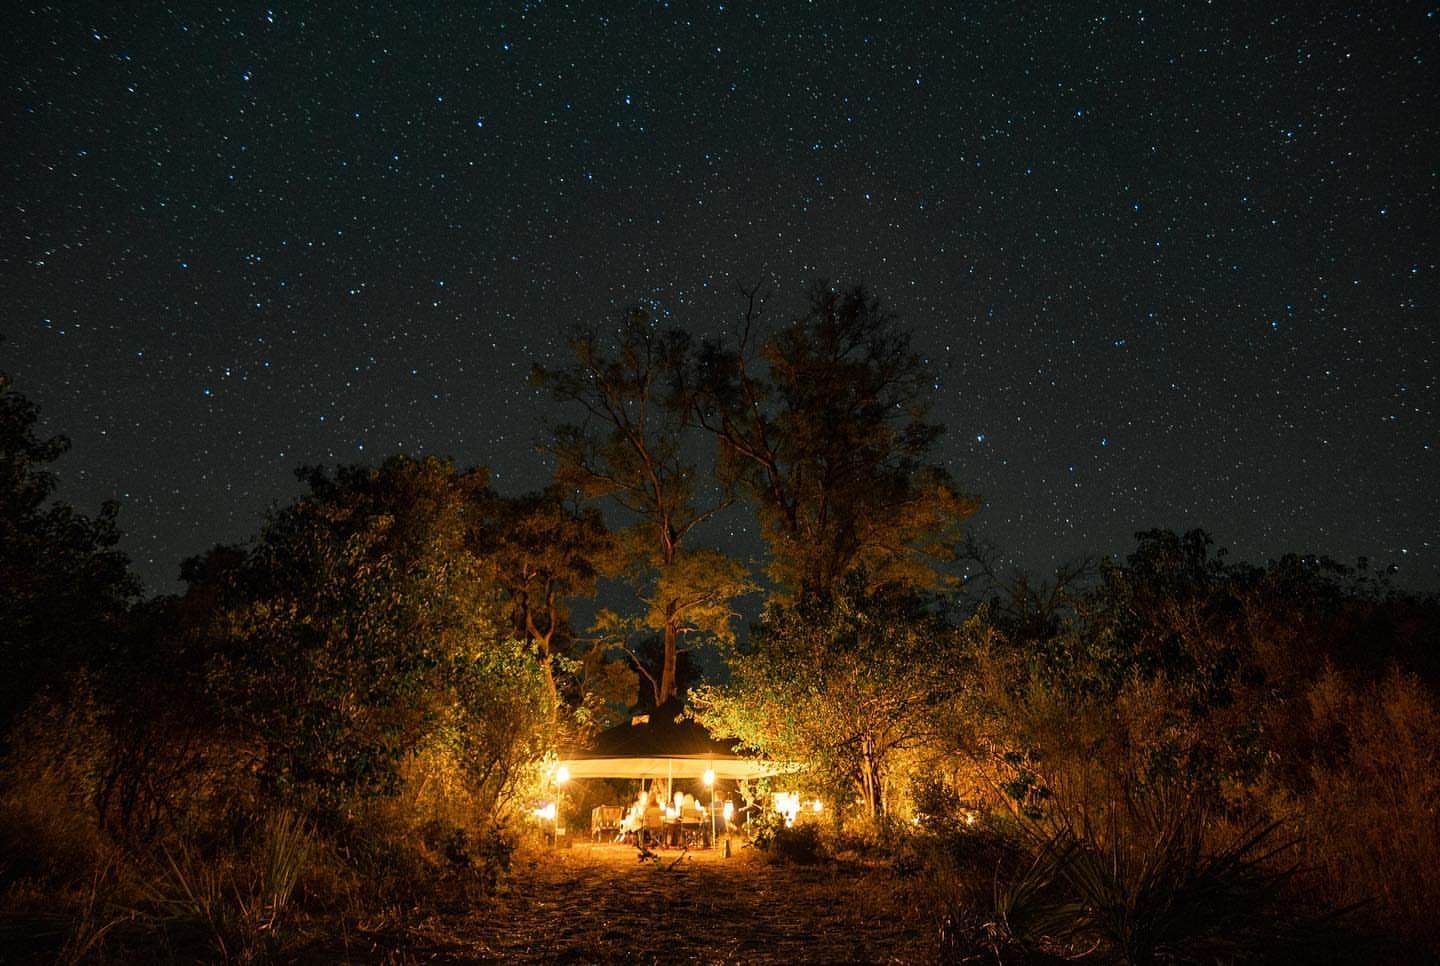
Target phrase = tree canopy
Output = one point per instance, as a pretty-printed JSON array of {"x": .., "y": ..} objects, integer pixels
[
  {"x": 824, "y": 425},
  {"x": 846, "y": 682},
  {"x": 361, "y": 628},
  {"x": 631, "y": 448},
  {"x": 66, "y": 586}
]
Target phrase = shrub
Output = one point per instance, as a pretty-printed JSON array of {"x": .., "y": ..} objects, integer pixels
[
  {"x": 1158, "y": 890},
  {"x": 235, "y": 902},
  {"x": 48, "y": 831},
  {"x": 936, "y": 804},
  {"x": 799, "y": 844},
  {"x": 763, "y": 826},
  {"x": 472, "y": 862},
  {"x": 1368, "y": 816}
]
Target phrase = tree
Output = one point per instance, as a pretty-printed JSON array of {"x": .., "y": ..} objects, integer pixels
[
  {"x": 1144, "y": 679},
  {"x": 360, "y": 629},
  {"x": 824, "y": 425},
  {"x": 630, "y": 448},
  {"x": 544, "y": 552},
  {"x": 66, "y": 588},
  {"x": 848, "y": 683}
]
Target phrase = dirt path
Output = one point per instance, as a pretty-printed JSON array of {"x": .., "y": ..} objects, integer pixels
[{"x": 598, "y": 904}]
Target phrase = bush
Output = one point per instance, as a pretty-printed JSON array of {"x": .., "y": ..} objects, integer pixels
[
  {"x": 1159, "y": 890},
  {"x": 762, "y": 828},
  {"x": 472, "y": 862},
  {"x": 936, "y": 804},
  {"x": 235, "y": 902},
  {"x": 1371, "y": 830},
  {"x": 959, "y": 867},
  {"x": 48, "y": 829},
  {"x": 799, "y": 844}
]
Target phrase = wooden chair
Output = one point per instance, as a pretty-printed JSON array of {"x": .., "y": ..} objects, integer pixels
[
  {"x": 605, "y": 822},
  {"x": 653, "y": 832}
]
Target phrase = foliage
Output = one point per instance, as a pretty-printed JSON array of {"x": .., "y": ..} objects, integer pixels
[
  {"x": 48, "y": 778},
  {"x": 1181, "y": 701},
  {"x": 1366, "y": 811},
  {"x": 359, "y": 627},
  {"x": 544, "y": 552},
  {"x": 1158, "y": 890},
  {"x": 631, "y": 448},
  {"x": 935, "y": 803},
  {"x": 764, "y": 826},
  {"x": 169, "y": 752},
  {"x": 846, "y": 684},
  {"x": 66, "y": 587},
  {"x": 489, "y": 732},
  {"x": 239, "y": 903},
  {"x": 824, "y": 426},
  {"x": 799, "y": 844},
  {"x": 475, "y": 860},
  {"x": 1150, "y": 680}
]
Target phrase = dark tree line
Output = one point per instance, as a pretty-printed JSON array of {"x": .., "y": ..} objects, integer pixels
[
  {"x": 407, "y": 617},
  {"x": 66, "y": 586},
  {"x": 392, "y": 656}
]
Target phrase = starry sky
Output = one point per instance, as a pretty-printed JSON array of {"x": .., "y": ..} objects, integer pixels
[{"x": 1173, "y": 265}]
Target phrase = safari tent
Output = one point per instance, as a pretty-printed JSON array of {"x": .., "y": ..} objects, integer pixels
[{"x": 662, "y": 745}]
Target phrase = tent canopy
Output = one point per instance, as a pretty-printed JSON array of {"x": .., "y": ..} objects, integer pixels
[{"x": 663, "y": 747}]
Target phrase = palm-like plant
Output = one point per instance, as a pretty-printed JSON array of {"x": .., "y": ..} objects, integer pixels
[{"x": 1158, "y": 888}]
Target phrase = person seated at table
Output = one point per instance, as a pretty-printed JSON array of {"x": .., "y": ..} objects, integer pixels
[
  {"x": 691, "y": 812},
  {"x": 654, "y": 825}
]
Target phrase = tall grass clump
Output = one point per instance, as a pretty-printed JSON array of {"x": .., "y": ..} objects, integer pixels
[
  {"x": 1366, "y": 810},
  {"x": 1164, "y": 888},
  {"x": 238, "y": 904}
]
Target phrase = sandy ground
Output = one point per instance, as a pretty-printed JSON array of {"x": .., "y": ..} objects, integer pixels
[{"x": 600, "y": 904}]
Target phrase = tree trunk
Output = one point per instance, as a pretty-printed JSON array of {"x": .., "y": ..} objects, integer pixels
[
  {"x": 542, "y": 651},
  {"x": 872, "y": 790},
  {"x": 667, "y": 689}
]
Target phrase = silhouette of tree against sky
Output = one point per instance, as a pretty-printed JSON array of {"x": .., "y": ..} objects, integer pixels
[
  {"x": 823, "y": 425},
  {"x": 630, "y": 448}
]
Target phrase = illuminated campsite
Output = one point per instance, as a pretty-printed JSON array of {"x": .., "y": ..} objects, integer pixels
[{"x": 739, "y": 482}]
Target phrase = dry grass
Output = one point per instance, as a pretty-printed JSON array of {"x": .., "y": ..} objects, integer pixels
[{"x": 600, "y": 904}]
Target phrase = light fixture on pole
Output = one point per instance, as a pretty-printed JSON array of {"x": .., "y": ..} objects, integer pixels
[
  {"x": 562, "y": 775},
  {"x": 710, "y": 784},
  {"x": 729, "y": 812}
]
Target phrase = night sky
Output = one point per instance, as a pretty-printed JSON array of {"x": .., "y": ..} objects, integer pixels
[{"x": 1173, "y": 265}]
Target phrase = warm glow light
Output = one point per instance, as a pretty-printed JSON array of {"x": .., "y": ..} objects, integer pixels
[
  {"x": 817, "y": 807},
  {"x": 562, "y": 775},
  {"x": 709, "y": 777},
  {"x": 729, "y": 810},
  {"x": 679, "y": 800},
  {"x": 547, "y": 813},
  {"x": 788, "y": 805}
]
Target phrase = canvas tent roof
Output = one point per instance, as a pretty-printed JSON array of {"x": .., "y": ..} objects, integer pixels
[{"x": 663, "y": 747}]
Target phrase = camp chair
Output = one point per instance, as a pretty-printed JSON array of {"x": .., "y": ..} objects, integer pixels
[{"x": 605, "y": 822}]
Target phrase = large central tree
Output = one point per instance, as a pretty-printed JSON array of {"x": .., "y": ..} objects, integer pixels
[
  {"x": 631, "y": 448},
  {"x": 824, "y": 424}
]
